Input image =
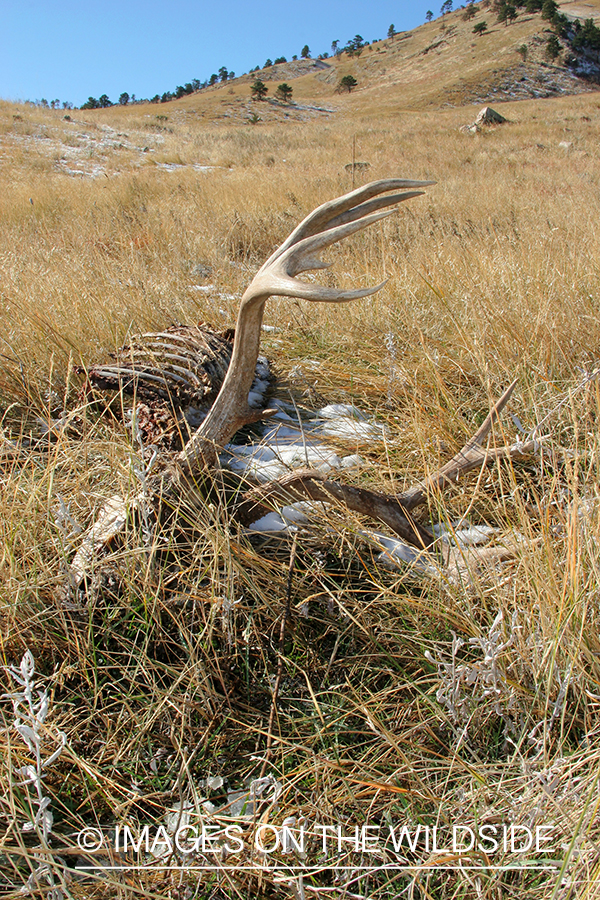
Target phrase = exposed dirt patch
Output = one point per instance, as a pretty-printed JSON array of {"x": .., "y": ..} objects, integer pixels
[
  {"x": 522, "y": 82},
  {"x": 296, "y": 68},
  {"x": 581, "y": 11}
]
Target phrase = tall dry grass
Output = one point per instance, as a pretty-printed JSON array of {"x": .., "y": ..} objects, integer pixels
[{"x": 167, "y": 678}]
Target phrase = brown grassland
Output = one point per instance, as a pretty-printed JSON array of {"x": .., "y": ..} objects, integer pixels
[{"x": 108, "y": 226}]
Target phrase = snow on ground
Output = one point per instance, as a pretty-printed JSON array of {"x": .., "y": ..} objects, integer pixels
[
  {"x": 174, "y": 167},
  {"x": 296, "y": 439},
  {"x": 84, "y": 153},
  {"x": 292, "y": 441},
  {"x": 84, "y": 150}
]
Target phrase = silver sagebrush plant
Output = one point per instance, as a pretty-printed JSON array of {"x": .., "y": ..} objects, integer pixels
[
  {"x": 462, "y": 685},
  {"x": 30, "y": 706}
]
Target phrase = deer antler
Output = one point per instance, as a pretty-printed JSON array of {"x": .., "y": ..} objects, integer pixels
[
  {"x": 393, "y": 510},
  {"x": 327, "y": 225},
  {"x": 473, "y": 455}
]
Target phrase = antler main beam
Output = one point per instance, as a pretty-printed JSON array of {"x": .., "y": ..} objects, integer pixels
[
  {"x": 328, "y": 224},
  {"x": 395, "y": 511}
]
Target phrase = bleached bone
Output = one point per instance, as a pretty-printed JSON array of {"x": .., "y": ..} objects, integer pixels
[
  {"x": 184, "y": 364},
  {"x": 328, "y": 224},
  {"x": 110, "y": 522}
]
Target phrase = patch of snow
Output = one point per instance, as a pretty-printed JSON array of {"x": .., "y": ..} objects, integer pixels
[
  {"x": 271, "y": 523},
  {"x": 179, "y": 817},
  {"x": 262, "y": 472},
  {"x": 255, "y": 400},
  {"x": 288, "y": 519},
  {"x": 289, "y": 443},
  {"x": 353, "y": 461},
  {"x": 260, "y": 385},
  {"x": 346, "y": 427},
  {"x": 263, "y": 369},
  {"x": 470, "y": 536},
  {"x": 175, "y": 167},
  {"x": 397, "y": 552},
  {"x": 334, "y": 410},
  {"x": 91, "y": 172},
  {"x": 295, "y": 513}
]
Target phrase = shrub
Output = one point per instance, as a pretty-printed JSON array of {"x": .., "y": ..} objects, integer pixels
[
  {"x": 347, "y": 83},
  {"x": 587, "y": 36},
  {"x": 549, "y": 10},
  {"x": 259, "y": 90},
  {"x": 552, "y": 47},
  {"x": 284, "y": 92}
]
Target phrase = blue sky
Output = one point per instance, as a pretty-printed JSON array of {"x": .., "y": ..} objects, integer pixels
[{"x": 73, "y": 49}]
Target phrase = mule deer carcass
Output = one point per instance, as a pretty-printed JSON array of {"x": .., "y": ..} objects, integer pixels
[{"x": 328, "y": 224}]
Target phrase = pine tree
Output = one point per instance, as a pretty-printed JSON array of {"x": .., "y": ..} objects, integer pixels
[
  {"x": 259, "y": 90},
  {"x": 284, "y": 92}
]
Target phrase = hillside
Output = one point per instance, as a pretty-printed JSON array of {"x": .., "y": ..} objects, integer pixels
[
  {"x": 441, "y": 63},
  {"x": 581, "y": 9},
  {"x": 438, "y": 66}
]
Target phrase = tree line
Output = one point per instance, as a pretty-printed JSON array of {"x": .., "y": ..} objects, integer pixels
[
  {"x": 353, "y": 47},
  {"x": 581, "y": 37}
]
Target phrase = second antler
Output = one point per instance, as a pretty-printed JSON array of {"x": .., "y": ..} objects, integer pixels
[
  {"x": 393, "y": 510},
  {"x": 328, "y": 224}
]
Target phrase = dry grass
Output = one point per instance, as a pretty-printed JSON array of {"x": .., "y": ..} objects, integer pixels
[{"x": 167, "y": 679}]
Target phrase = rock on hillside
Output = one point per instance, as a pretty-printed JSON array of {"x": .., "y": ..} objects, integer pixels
[{"x": 286, "y": 71}]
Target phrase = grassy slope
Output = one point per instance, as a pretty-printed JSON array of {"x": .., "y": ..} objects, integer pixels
[
  {"x": 588, "y": 9},
  {"x": 441, "y": 63},
  {"x": 492, "y": 275}
]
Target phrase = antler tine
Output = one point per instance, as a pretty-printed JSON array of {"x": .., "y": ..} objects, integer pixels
[
  {"x": 331, "y": 222},
  {"x": 318, "y": 293},
  {"x": 300, "y": 257},
  {"x": 326, "y": 214},
  {"x": 277, "y": 276},
  {"x": 492, "y": 417},
  {"x": 365, "y": 209},
  {"x": 471, "y": 456}
]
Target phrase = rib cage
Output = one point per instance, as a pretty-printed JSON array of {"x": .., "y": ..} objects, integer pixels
[{"x": 183, "y": 365}]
